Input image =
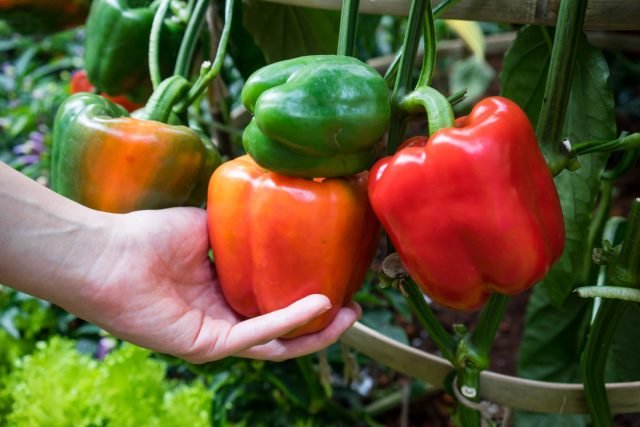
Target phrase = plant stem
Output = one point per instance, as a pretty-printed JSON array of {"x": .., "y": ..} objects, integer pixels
[
  {"x": 628, "y": 161},
  {"x": 392, "y": 71},
  {"x": 594, "y": 358},
  {"x": 485, "y": 331},
  {"x": 164, "y": 97},
  {"x": 188, "y": 44},
  {"x": 210, "y": 70},
  {"x": 624, "y": 273},
  {"x": 609, "y": 292},
  {"x": 623, "y": 142},
  {"x": 154, "y": 43},
  {"x": 437, "y": 107},
  {"x": 626, "y": 270},
  {"x": 429, "y": 57},
  {"x": 348, "y": 27},
  {"x": 556, "y": 93},
  {"x": 442, "y": 339},
  {"x": 403, "y": 79}
]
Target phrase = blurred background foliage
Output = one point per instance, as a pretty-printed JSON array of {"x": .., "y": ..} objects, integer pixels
[{"x": 57, "y": 370}]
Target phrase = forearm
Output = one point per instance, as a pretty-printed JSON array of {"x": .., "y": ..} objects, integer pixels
[{"x": 48, "y": 244}]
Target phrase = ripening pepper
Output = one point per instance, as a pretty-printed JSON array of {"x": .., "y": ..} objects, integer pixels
[
  {"x": 116, "y": 47},
  {"x": 315, "y": 116},
  {"x": 80, "y": 83},
  {"x": 43, "y": 16},
  {"x": 277, "y": 238},
  {"x": 473, "y": 209},
  {"x": 107, "y": 160}
]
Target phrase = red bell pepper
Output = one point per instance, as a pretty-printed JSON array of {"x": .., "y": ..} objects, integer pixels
[
  {"x": 80, "y": 83},
  {"x": 473, "y": 209},
  {"x": 277, "y": 238}
]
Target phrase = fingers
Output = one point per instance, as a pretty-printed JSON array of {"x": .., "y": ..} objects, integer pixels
[
  {"x": 214, "y": 343},
  {"x": 278, "y": 350}
]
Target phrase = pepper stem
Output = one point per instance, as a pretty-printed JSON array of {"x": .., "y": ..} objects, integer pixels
[
  {"x": 442, "y": 339},
  {"x": 623, "y": 274},
  {"x": 348, "y": 27},
  {"x": 438, "y": 108},
  {"x": 403, "y": 79},
  {"x": 164, "y": 97},
  {"x": 556, "y": 93}
]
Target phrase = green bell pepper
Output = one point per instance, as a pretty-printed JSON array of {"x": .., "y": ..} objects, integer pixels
[
  {"x": 117, "y": 46},
  {"x": 315, "y": 116}
]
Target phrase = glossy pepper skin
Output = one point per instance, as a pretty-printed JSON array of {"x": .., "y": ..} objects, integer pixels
[
  {"x": 277, "y": 238},
  {"x": 315, "y": 116},
  {"x": 108, "y": 161},
  {"x": 117, "y": 46},
  {"x": 474, "y": 210}
]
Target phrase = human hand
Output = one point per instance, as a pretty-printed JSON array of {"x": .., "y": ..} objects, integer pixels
[{"x": 155, "y": 286}]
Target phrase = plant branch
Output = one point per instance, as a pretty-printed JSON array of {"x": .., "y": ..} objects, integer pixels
[
  {"x": 556, "y": 93},
  {"x": 403, "y": 79},
  {"x": 188, "y": 44},
  {"x": 154, "y": 43},
  {"x": 348, "y": 27},
  {"x": 442, "y": 339}
]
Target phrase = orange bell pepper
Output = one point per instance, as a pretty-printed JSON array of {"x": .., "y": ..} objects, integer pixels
[{"x": 277, "y": 238}]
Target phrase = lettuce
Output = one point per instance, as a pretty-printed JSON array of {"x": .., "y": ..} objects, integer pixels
[{"x": 58, "y": 386}]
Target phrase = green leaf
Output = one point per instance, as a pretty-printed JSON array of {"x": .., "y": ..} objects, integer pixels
[
  {"x": 550, "y": 350},
  {"x": 622, "y": 361},
  {"x": 382, "y": 321},
  {"x": 284, "y": 32},
  {"x": 246, "y": 55},
  {"x": 590, "y": 116},
  {"x": 472, "y": 74}
]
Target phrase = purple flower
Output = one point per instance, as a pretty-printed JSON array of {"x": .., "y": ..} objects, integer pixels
[
  {"x": 105, "y": 345},
  {"x": 28, "y": 153}
]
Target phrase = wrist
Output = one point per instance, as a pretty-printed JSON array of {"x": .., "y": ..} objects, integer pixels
[{"x": 49, "y": 245}]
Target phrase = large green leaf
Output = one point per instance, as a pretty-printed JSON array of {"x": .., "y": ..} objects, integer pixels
[
  {"x": 550, "y": 350},
  {"x": 284, "y": 32},
  {"x": 589, "y": 116}
]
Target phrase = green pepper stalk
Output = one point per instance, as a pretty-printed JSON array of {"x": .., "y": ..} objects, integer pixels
[
  {"x": 185, "y": 54},
  {"x": 348, "y": 27},
  {"x": 210, "y": 70},
  {"x": 624, "y": 142},
  {"x": 556, "y": 93},
  {"x": 403, "y": 80},
  {"x": 624, "y": 275},
  {"x": 154, "y": 42},
  {"x": 437, "y": 11}
]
